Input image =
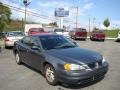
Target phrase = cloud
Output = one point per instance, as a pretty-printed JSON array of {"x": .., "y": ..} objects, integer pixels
[
  {"x": 88, "y": 6},
  {"x": 86, "y": 1}
]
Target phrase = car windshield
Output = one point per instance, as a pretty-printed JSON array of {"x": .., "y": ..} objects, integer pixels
[
  {"x": 56, "y": 42},
  {"x": 15, "y": 34},
  {"x": 37, "y": 30},
  {"x": 59, "y": 30}
]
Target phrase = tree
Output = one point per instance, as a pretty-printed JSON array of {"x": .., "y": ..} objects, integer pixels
[
  {"x": 106, "y": 23},
  {"x": 5, "y": 13},
  {"x": 53, "y": 24}
]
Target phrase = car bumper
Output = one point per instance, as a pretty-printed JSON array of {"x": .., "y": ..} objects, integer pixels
[
  {"x": 80, "y": 37},
  {"x": 100, "y": 38},
  {"x": 118, "y": 39},
  {"x": 9, "y": 43},
  {"x": 83, "y": 77}
]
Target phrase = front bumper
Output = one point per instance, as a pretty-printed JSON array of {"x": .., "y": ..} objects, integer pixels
[{"x": 81, "y": 77}]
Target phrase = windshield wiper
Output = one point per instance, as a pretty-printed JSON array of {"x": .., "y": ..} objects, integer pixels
[{"x": 66, "y": 46}]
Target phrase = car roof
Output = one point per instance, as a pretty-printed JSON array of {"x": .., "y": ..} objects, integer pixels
[{"x": 45, "y": 34}]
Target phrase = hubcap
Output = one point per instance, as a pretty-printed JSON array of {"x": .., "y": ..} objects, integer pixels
[
  {"x": 49, "y": 74},
  {"x": 17, "y": 58}
]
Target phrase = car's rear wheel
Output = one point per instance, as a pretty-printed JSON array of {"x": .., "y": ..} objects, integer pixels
[
  {"x": 50, "y": 75},
  {"x": 17, "y": 59}
]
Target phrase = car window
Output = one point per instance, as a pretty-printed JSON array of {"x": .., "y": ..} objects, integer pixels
[
  {"x": 55, "y": 42},
  {"x": 36, "y": 30},
  {"x": 14, "y": 34},
  {"x": 35, "y": 41},
  {"x": 59, "y": 30},
  {"x": 26, "y": 40}
]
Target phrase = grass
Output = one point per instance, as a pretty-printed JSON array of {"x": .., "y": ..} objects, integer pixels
[{"x": 112, "y": 33}]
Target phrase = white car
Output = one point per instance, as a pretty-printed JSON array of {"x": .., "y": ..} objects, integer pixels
[
  {"x": 11, "y": 37},
  {"x": 62, "y": 32},
  {"x": 118, "y": 38}
]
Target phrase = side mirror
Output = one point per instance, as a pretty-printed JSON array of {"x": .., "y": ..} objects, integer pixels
[
  {"x": 35, "y": 48},
  {"x": 75, "y": 43}
]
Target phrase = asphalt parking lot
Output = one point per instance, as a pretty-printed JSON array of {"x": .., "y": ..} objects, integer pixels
[{"x": 21, "y": 77}]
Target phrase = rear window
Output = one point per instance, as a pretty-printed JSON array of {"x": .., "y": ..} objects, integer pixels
[
  {"x": 14, "y": 34},
  {"x": 36, "y": 30},
  {"x": 80, "y": 30},
  {"x": 59, "y": 30},
  {"x": 98, "y": 31}
]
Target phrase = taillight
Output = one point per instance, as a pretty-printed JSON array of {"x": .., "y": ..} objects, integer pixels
[{"x": 6, "y": 39}]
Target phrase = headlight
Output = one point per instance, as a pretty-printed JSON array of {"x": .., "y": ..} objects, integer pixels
[{"x": 75, "y": 67}]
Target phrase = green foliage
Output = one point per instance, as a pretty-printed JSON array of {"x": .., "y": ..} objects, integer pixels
[
  {"x": 112, "y": 33},
  {"x": 53, "y": 24},
  {"x": 5, "y": 13},
  {"x": 95, "y": 28},
  {"x": 106, "y": 23}
]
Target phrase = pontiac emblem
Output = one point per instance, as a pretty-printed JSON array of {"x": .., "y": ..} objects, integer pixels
[{"x": 96, "y": 65}]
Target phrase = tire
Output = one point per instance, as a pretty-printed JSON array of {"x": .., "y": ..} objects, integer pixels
[
  {"x": 50, "y": 75},
  {"x": 91, "y": 39},
  {"x": 74, "y": 37},
  {"x": 103, "y": 40},
  {"x": 17, "y": 59},
  {"x": 6, "y": 47}
]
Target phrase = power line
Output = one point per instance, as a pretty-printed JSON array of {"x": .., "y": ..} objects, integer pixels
[{"x": 35, "y": 14}]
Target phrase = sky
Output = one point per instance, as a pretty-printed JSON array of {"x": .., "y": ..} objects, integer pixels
[{"x": 95, "y": 10}]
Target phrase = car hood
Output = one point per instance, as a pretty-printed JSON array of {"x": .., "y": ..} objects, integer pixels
[{"x": 75, "y": 55}]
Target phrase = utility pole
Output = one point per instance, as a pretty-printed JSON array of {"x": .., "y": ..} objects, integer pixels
[
  {"x": 26, "y": 3},
  {"x": 89, "y": 26},
  {"x": 76, "y": 17}
]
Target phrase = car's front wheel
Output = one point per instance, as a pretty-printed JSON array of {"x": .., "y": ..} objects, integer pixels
[
  {"x": 17, "y": 58},
  {"x": 50, "y": 75}
]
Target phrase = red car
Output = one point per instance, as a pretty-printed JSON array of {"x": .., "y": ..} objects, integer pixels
[
  {"x": 36, "y": 31},
  {"x": 79, "y": 33},
  {"x": 97, "y": 35}
]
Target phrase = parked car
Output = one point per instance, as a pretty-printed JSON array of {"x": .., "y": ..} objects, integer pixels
[
  {"x": 36, "y": 31},
  {"x": 59, "y": 59},
  {"x": 12, "y": 36},
  {"x": 118, "y": 38},
  {"x": 30, "y": 26},
  {"x": 97, "y": 35},
  {"x": 2, "y": 35},
  {"x": 79, "y": 33},
  {"x": 61, "y": 32}
]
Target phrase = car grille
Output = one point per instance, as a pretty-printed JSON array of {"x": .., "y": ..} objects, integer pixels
[
  {"x": 93, "y": 78},
  {"x": 94, "y": 64}
]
